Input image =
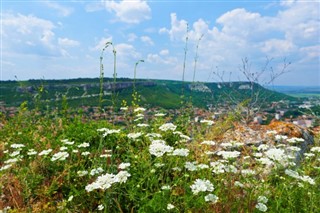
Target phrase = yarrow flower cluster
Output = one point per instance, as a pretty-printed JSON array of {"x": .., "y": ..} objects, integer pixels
[
  {"x": 208, "y": 122},
  {"x": 60, "y": 156},
  {"x": 296, "y": 175},
  {"x": 45, "y": 152},
  {"x": 211, "y": 198},
  {"x": 200, "y": 185},
  {"x": 211, "y": 143},
  {"x": 229, "y": 154},
  {"x": 158, "y": 148},
  {"x": 124, "y": 165},
  {"x": 134, "y": 136},
  {"x": 168, "y": 126},
  {"x": 180, "y": 152}
]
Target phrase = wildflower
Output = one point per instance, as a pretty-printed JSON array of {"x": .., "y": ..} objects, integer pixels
[
  {"x": 60, "y": 156},
  {"x": 122, "y": 176},
  {"x": 67, "y": 142},
  {"x": 105, "y": 156},
  {"x": 265, "y": 161},
  {"x": 248, "y": 172},
  {"x": 309, "y": 155},
  {"x": 142, "y": 125},
  {"x": 230, "y": 169},
  {"x": 124, "y": 165},
  {"x": 159, "y": 114},
  {"x": 63, "y": 148},
  {"x": 96, "y": 171},
  {"x": 110, "y": 131},
  {"x": 239, "y": 184},
  {"x": 226, "y": 145},
  {"x": 158, "y": 165},
  {"x": 185, "y": 137},
  {"x": 176, "y": 169},
  {"x": 262, "y": 199},
  {"x": 82, "y": 173},
  {"x": 201, "y": 186},
  {"x": 5, "y": 167},
  {"x": 11, "y": 160},
  {"x": 170, "y": 206},
  {"x": 293, "y": 148},
  {"x": 208, "y": 122},
  {"x": 292, "y": 173},
  {"x": 32, "y": 152},
  {"x": 85, "y": 153},
  {"x": 167, "y": 126},
  {"x": 75, "y": 151},
  {"x": 218, "y": 167},
  {"x": 134, "y": 135},
  {"x": 191, "y": 166},
  {"x": 70, "y": 198},
  {"x": 211, "y": 143},
  {"x": 295, "y": 140},
  {"x": 276, "y": 154},
  {"x": 124, "y": 108},
  {"x": 228, "y": 154},
  {"x": 139, "y": 109},
  {"x": 83, "y": 145},
  {"x": 211, "y": 198},
  {"x": 158, "y": 148},
  {"x": 315, "y": 149},
  {"x": 263, "y": 147},
  {"x": 202, "y": 166},
  {"x": 180, "y": 152},
  {"x": 154, "y": 135},
  {"x": 261, "y": 207},
  {"x": 15, "y": 153},
  {"x": 17, "y": 146},
  {"x": 165, "y": 187},
  {"x": 103, "y": 182},
  {"x": 258, "y": 155},
  {"x": 45, "y": 152},
  {"x": 271, "y": 132},
  {"x": 100, "y": 207},
  {"x": 281, "y": 137}
]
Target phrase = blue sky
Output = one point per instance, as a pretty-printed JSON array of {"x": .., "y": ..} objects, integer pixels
[{"x": 64, "y": 39}]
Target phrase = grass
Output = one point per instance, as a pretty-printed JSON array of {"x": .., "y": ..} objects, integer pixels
[{"x": 98, "y": 166}]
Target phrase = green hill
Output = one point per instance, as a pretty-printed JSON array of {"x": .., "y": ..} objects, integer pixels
[{"x": 161, "y": 93}]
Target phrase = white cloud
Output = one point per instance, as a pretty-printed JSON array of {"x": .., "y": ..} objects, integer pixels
[
  {"x": 178, "y": 28},
  {"x": 164, "y": 52},
  {"x": 127, "y": 50},
  {"x": 147, "y": 40},
  {"x": 61, "y": 10},
  {"x": 132, "y": 37},
  {"x": 67, "y": 42},
  {"x": 101, "y": 43},
  {"x": 132, "y": 12},
  {"x": 277, "y": 47}
]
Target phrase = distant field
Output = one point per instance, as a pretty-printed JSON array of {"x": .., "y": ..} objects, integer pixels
[{"x": 303, "y": 95}]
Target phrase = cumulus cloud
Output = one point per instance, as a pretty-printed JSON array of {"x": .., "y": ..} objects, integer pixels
[
  {"x": 67, "y": 42},
  {"x": 147, "y": 40},
  {"x": 164, "y": 52},
  {"x": 132, "y": 37},
  {"x": 61, "y": 10},
  {"x": 101, "y": 43},
  {"x": 132, "y": 12}
]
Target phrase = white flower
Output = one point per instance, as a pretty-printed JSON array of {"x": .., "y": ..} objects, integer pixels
[
  {"x": 170, "y": 206},
  {"x": 83, "y": 145},
  {"x": 201, "y": 186},
  {"x": 75, "y": 151},
  {"x": 5, "y": 167},
  {"x": 239, "y": 184},
  {"x": 96, "y": 171},
  {"x": 82, "y": 173},
  {"x": 45, "y": 152},
  {"x": 261, "y": 207},
  {"x": 32, "y": 152},
  {"x": 276, "y": 155},
  {"x": 295, "y": 140},
  {"x": 293, "y": 148},
  {"x": 60, "y": 156},
  {"x": 211, "y": 198},
  {"x": 103, "y": 182},
  {"x": 315, "y": 149},
  {"x": 218, "y": 167},
  {"x": 142, "y": 125},
  {"x": 208, "y": 122},
  {"x": 15, "y": 153},
  {"x": 248, "y": 172},
  {"x": 211, "y": 143},
  {"x": 124, "y": 108},
  {"x": 122, "y": 176},
  {"x": 165, "y": 187},
  {"x": 262, "y": 199},
  {"x": 100, "y": 207},
  {"x": 12, "y": 160},
  {"x": 67, "y": 142},
  {"x": 271, "y": 132},
  {"x": 105, "y": 156},
  {"x": 159, "y": 114},
  {"x": 228, "y": 154},
  {"x": 168, "y": 126},
  {"x": 124, "y": 165},
  {"x": 309, "y": 155},
  {"x": 263, "y": 147},
  {"x": 265, "y": 161},
  {"x": 308, "y": 179},
  {"x": 63, "y": 148},
  {"x": 159, "y": 148},
  {"x": 139, "y": 109},
  {"x": 281, "y": 137},
  {"x": 154, "y": 135},
  {"x": 17, "y": 146},
  {"x": 181, "y": 152},
  {"x": 134, "y": 135},
  {"x": 70, "y": 198},
  {"x": 191, "y": 166},
  {"x": 226, "y": 145},
  {"x": 85, "y": 153},
  {"x": 292, "y": 173},
  {"x": 158, "y": 165}
]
